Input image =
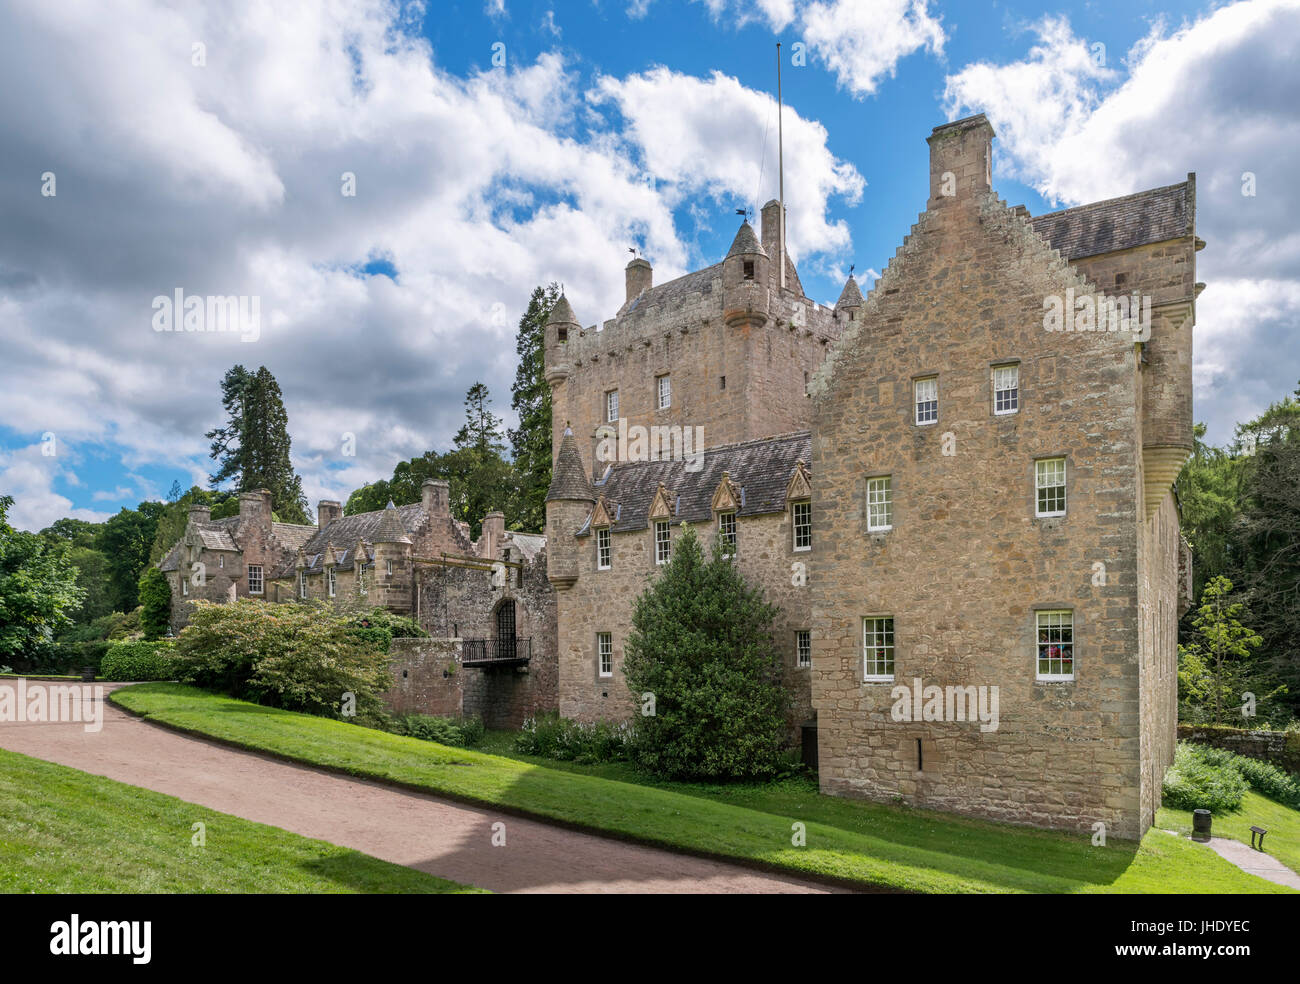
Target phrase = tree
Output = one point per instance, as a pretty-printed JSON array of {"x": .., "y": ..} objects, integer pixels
[
  {"x": 155, "y": 603},
  {"x": 252, "y": 449},
  {"x": 38, "y": 589},
  {"x": 92, "y": 579},
  {"x": 702, "y": 645},
  {"x": 1219, "y": 666},
  {"x": 73, "y": 532},
  {"x": 530, "y": 398},
  {"x": 1209, "y": 493},
  {"x": 125, "y": 541}
]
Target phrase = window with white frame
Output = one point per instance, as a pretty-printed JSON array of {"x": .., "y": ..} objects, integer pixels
[
  {"x": 877, "y": 648},
  {"x": 363, "y": 578},
  {"x": 185, "y": 585},
  {"x": 727, "y": 527},
  {"x": 611, "y": 406},
  {"x": 663, "y": 392},
  {"x": 803, "y": 648},
  {"x": 602, "y": 548},
  {"x": 880, "y": 503},
  {"x": 801, "y": 520},
  {"x": 927, "y": 400},
  {"x": 1055, "y": 645},
  {"x": 255, "y": 582},
  {"x": 1049, "y": 484},
  {"x": 605, "y": 653},
  {"x": 302, "y": 584},
  {"x": 1006, "y": 389},
  {"x": 331, "y": 581},
  {"x": 663, "y": 542}
]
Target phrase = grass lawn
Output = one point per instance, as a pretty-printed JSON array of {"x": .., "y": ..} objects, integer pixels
[
  {"x": 874, "y": 844},
  {"x": 62, "y": 830},
  {"x": 1282, "y": 824}
]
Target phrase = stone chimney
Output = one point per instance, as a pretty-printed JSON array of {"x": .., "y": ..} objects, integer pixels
[
  {"x": 961, "y": 160},
  {"x": 640, "y": 276},
  {"x": 770, "y": 226},
  {"x": 200, "y": 513},
  {"x": 435, "y": 497},
  {"x": 492, "y": 536},
  {"x": 255, "y": 509},
  {"x": 328, "y": 510}
]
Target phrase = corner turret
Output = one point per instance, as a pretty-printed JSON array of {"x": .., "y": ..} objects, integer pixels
[
  {"x": 568, "y": 503},
  {"x": 745, "y": 281}
]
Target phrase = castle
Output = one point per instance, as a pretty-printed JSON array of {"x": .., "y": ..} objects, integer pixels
[{"x": 957, "y": 490}]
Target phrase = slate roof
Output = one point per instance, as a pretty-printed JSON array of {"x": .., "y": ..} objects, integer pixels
[
  {"x": 699, "y": 282},
  {"x": 746, "y": 241},
  {"x": 569, "y": 480},
  {"x": 529, "y": 544},
  {"x": 851, "y": 295},
  {"x": 343, "y": 534},
  {"x": 216, "y": 534},
  {"x": 1120, "y": 223},
  {"x": 762, "y": 469},
  {"x": 292, "y": 535}
]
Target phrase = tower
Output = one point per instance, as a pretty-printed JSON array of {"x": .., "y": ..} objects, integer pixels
[
  {"x": 745, "y": 284},
  {"x": 568, "y": 502}
]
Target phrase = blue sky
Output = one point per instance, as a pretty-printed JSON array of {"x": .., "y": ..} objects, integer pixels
[{"x": 205, "y": 149}]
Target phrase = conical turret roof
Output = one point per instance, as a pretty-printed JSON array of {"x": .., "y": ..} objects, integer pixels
[
  {"x": 562, "y": 313},
  {"x": 569, "y": 480},
  {"x": 851, "y": 295},
  {"x": 746, "y": 242},
  {"x": 391, "y": 529}
]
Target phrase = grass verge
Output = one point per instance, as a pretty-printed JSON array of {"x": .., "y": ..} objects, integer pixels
[
  {"x": 1281, "y": 822},
  {"x": 869, "y": 844},
  {"x": 62, "y": 830}
]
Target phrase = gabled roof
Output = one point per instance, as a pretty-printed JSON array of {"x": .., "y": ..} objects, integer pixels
[
  {"x": 292, "y": 535},
  {"x": 529, "y": 544},
  {"x": 217, "y": 534},
  {"x": 760, "y": 469},
  {"x": 699, "y": 282},
  {"x": 1120, "y": 223},
  {"x": 343, "y": 533}
]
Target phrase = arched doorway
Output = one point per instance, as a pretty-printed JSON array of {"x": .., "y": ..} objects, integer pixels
[{"x": 506, "y": 638}]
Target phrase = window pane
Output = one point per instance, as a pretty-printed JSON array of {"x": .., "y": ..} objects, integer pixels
[
  {"x": 880, "y": 507},
  {"x": 927, "y": 400}
]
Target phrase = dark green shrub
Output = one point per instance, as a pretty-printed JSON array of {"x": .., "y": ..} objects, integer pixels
[
  {"x": 1200, "y": 781},
  {"x": 702, "y": 645},
  {"x": 63, "y": 658},
  {"x": 302, "y": 657},
  {"x": 155, "y": 603},
  {"x": 554, "y": 737},
  {"x": 380, "y": 627},
  {"x": 444, "y": 730},
  {"x": 139, "y": 660}
]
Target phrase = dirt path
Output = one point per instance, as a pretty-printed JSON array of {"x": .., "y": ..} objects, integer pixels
[{"x": 443, "y": 838}]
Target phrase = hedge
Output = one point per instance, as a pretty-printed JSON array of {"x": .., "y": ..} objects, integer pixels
[{"x": 140, "y": 660}]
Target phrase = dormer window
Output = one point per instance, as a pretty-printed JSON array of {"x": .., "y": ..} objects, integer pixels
[{"x": 749, "y": 269}]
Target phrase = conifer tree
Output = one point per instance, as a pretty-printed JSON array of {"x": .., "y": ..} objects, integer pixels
[{"x": 530, "y": 398}]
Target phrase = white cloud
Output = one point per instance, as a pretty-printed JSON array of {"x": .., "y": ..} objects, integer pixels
[
  {"x": 225, "y": 179},
  {"x": 29, "y": 476},
  {"x": 1213, "y": 96}
]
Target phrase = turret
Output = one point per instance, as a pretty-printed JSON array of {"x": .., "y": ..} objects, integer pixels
[
  {"x": 639, "y": 278},
  {"x": 392, "y": 547},
  {"x": 850, "y": 302},
  {"x": 568, "y": 503},
  {"x": 745, "y": 283},
  {"x": 560, "y": 327}
]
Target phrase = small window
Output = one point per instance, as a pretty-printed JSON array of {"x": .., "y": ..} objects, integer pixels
[
  {"x": 664, "y": 391},
  {"x": 331, "y": 581},
  {"x": 803, "y": 648},
  {"x": 221, "y": 562},
  {"x": 1055, "y": 645},
  {"x": 363, "y": 579},
  {"x": 1006, "y": 389},
  {"x": 564, "y": 334},
  {"x": 611, "y": 406},
  {"x": 805, "y": 383},
  {"x": 927, "y": 400},
  {"x": 749, "y": 269},
  {"x": 877, "y": 649},
  {"x": 722, "y": 382},
  {"x": 602, "y": 549},
  {"x": 185, "y": 585},
  {"x": 727, "y": 527},
  {"x": 302, "y": 584},
  {"x": 663, "y": 542},
  {"x": 801, "y": 516},
  {"x": 880, "y": 504},
  {"x": 389, "y": 567},
  {"x": 605, "y": 653},
  {"x": 1049, "y": 480},
  {"x": 254, "y": 579}
]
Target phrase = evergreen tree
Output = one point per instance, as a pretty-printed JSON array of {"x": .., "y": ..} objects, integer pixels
[
  {"x": 252, "y": 449},
  {"x": 702, "y": 645},
  {"x": 155, "y": 603},
  {"x": 481, "y": 480},
  {"x": 530, "y": 398}
]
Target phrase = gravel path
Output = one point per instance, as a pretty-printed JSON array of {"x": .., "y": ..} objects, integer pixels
[{"x": 440, "y": 837}]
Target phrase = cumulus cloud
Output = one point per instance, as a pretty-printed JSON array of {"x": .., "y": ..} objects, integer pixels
[
  {"x": 1211, "y": 96},
  {"x": 226, "y": 178}
]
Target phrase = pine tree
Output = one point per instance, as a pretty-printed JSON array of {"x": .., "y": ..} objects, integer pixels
[
  {"x": 481, "y": 479},
  {"x": 530, "y": 398},
  {"x": 253, "y": 448},
  {"x": 702, "y": 649}
]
